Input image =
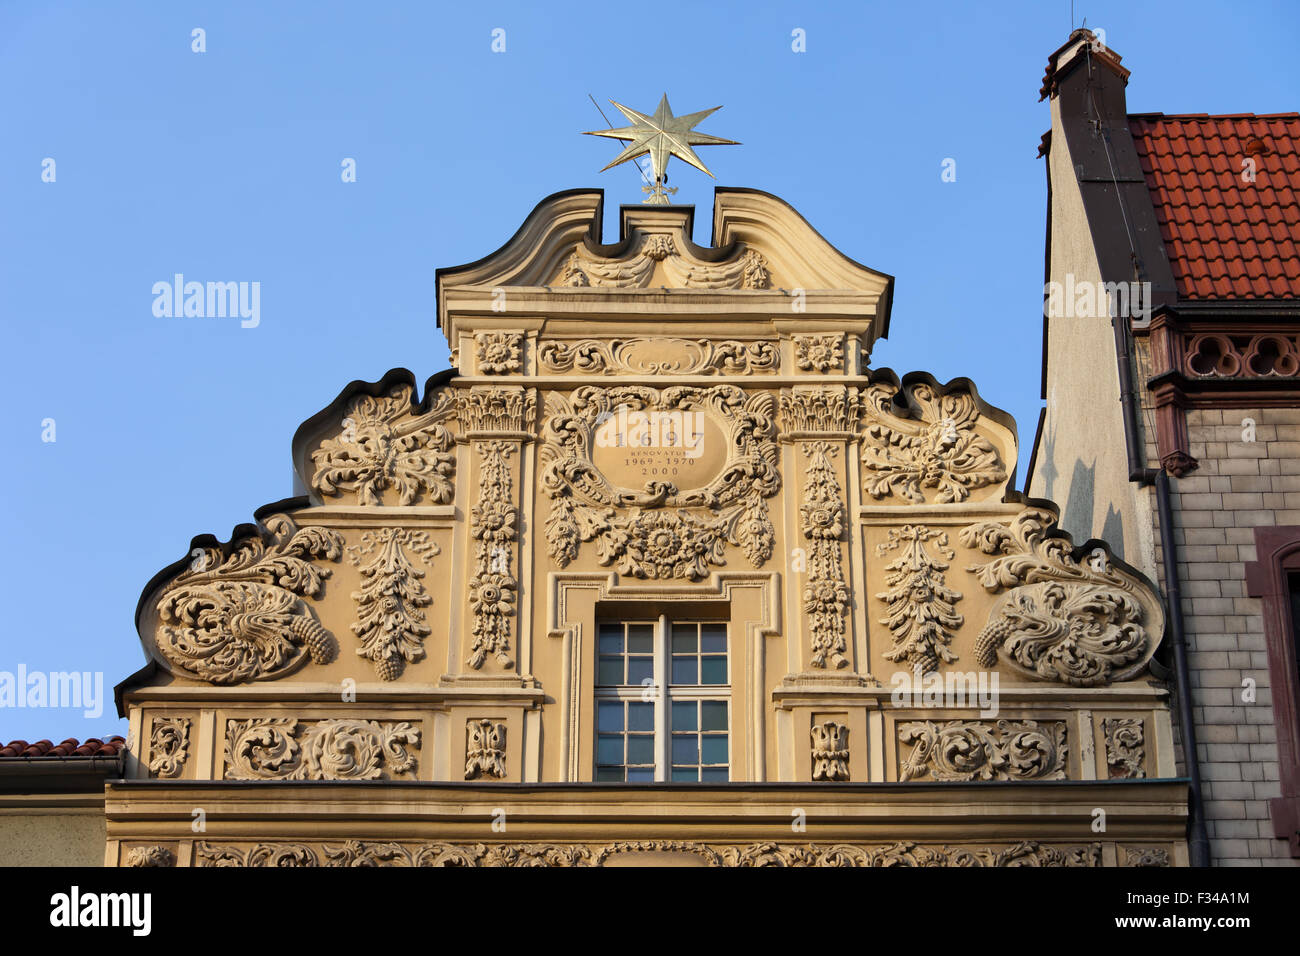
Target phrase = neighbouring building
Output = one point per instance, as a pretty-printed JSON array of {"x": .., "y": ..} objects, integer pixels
[{"x": 1172, "y": 424}]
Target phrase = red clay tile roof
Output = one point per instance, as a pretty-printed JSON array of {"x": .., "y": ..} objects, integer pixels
[
  {"x": 1227, "y": 238},
  {"x": 94, "y": 747}
]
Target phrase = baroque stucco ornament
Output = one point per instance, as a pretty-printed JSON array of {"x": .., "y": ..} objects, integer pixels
[
  {"x": 921, "y": 606},
  {"x": 982, "y": 750},
  {"x": 654, "y": 543},
  {"x": 392, "y": 599},
  {"x": 826, "y": 597},
  {"x": 830, "y": 751},
  {"x": 1076, "y": 620},
  {"x": 497, "y": 353},
  {"x": 939, "y": 450},
  {"x": 242, "y": 618},
  {"x": 660, "y": 356},
  {"x": 286, "y": 748},
  {"x": 385, "y": 445},
  {"x": 746, "y": 269},
  {"x": 494, "y": 525},
  {"x": 1125, "y": 746},
  {"x": 485, "y": 749},
  {"x": 169, "y": 744}
]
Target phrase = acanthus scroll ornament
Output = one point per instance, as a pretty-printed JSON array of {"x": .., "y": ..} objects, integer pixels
[
  {"x": 285, "y": 748},
  {"x": 241, "y": 619},
  {"x": 921, "y": 606},
  {"x": 826, "y": 597},
  {"x": 1076, "y": 620},
  {"x": 392, "y": 599},
  {"x": 939, "y": 450},
  {"x": 747, "y": 270},
  {"x": 1125, "y": 746},
  {"x": 384, "y": 445},
  {"x": 169, "y": 743},
  {"x": 975, "y": 750},
  {"x": 699, "y": 356}
]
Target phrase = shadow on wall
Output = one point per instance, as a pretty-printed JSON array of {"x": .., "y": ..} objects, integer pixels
[{"x": 1077, "y": 518}]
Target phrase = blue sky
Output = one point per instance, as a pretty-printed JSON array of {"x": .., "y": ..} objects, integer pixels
[{"x": 225, "y": 166}]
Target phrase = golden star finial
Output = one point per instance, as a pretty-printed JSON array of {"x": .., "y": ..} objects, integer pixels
[{"x": 662, "y": 136}]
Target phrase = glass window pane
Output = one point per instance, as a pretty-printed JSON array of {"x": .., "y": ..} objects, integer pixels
[
  {"x": 641, "y": 749},
  {"x": 714, "y": 749},
  {"x": 714, "y": 715},
  {"x": 609, "y": 749},
  {"x": 684, "y": 715},
  {"x": 609, "y": 717},
  {"x": 611, "y": 642},
  {"x": 684, "y": 670},
  {"x": 713, "y": 670},
  {"x": 685, "y": 639},
  {"x": 640, "y": 670},
  {"x": 686, "y": 749},
  {"x": 609, "y": 773},
  {"x": 640, "y": 632},
  {"x": 640, "y": 774},
  {"x": 638, "y": 643},
  {"x": 713, "y": 638},
  {"x": 714, "y": 775},
  {"x": 610, "y": 671},
  {"x": 642, "y": 717},
  {"x": 685, "y": 774}
]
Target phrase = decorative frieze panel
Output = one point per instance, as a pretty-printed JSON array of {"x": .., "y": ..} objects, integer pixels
[
  {"x": 1076, "y": 620},
  {"x": 937, "y": 455},
  {"x": 726, "y": 505},
  {"x": 826, "y": 597},
  {"x": 830, "y": 751},
  {"x": 392, "y": 599},
  {"x": 660, "y": 356},
  {"x": 1146, "y": 856},
  {"x": 286, "y": 748},
  {"x": 819, "y": 353},
  {"x": 746, "y": 270},
  {"x": 150, "y": 856},
  {"x": 984, "y": 750},
  {"x": 385, "y": 445},
  {"x": 494, "y": 525},
  {"x": 485, "y": 750},
  {"x": 236, "y": 619},
  {"x": 496, "y": 409},
  {"x": 921, "y": 607},
  {"x": 498, "y": 353},
  {"x": 362, "y": 853},
  {"x": 169, "y": 743},
  {"x": 1125, "y": 746},
  {"x": 811, "y": 409}
]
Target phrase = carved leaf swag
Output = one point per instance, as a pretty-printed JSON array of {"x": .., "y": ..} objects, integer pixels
[
  {"x": 485, "y": 755},
  {"x": 703, "y": 356},
  {"x": 383, "y": 445},
  {"x": 240, "y": 619},
  {"x": 650, "y": 543},
  {"x": 169, "y": 746},
  {"x": 494, "y": 523},
  {"x": 391, "y": 602},
  {"x": 939, "y": 451},
  {"x": 1065, "y": 619},
  {"x": 972, "y": 750},
  {"x": 921, "y": 607},
  {"x": 360, "y": 853},
  {"x": 1125, "y": 746},
  {"x": 826, "y": 596},
  {"x": 748, "y": 270},
  {"x": 284, "y": 748},
  {"x": 830, "y": 751}
]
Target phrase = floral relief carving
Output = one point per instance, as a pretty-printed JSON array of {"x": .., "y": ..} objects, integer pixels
[
  {"x": 392, "y": 599},
  {"x": 150, "y": 856},
  {"x": 1146, "y": 856},
  {"x": 921, "y": 607},
  {"x": 498, "y": 352},
  {"x": 826, "y": 596},
  {"x": 819, "y": 353},
  {"x": 169, "y": 743},
  {"x": 494, "y": 524},
  {"x": 820, "y": 408},
  {"x": 940, "y": 449},
  {"x": 385, "y": 445},
  {"x": 1125, "y": 746},
  {"x": 830, "y": 751},
  {"x": 285, "y": 748},
  {"x": 238, "y": 619},
  {"x": 653, "y": 543},
  {"x": 496, "y": 408},
  {"x": 747, "y": 270},
  {"x": 979, "y": 750},
  {"x": 485, "y": 751},
  {"x": 1078, "y": 621},
  {"x": 702, "y": 356},
  {"x": 903, "y": 854}
]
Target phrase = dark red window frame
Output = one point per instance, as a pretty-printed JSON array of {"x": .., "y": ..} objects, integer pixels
[{"x": 1277, "y": 557}]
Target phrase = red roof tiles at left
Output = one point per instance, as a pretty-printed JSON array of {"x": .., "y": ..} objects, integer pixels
[{"x": 92, "y": 747}]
